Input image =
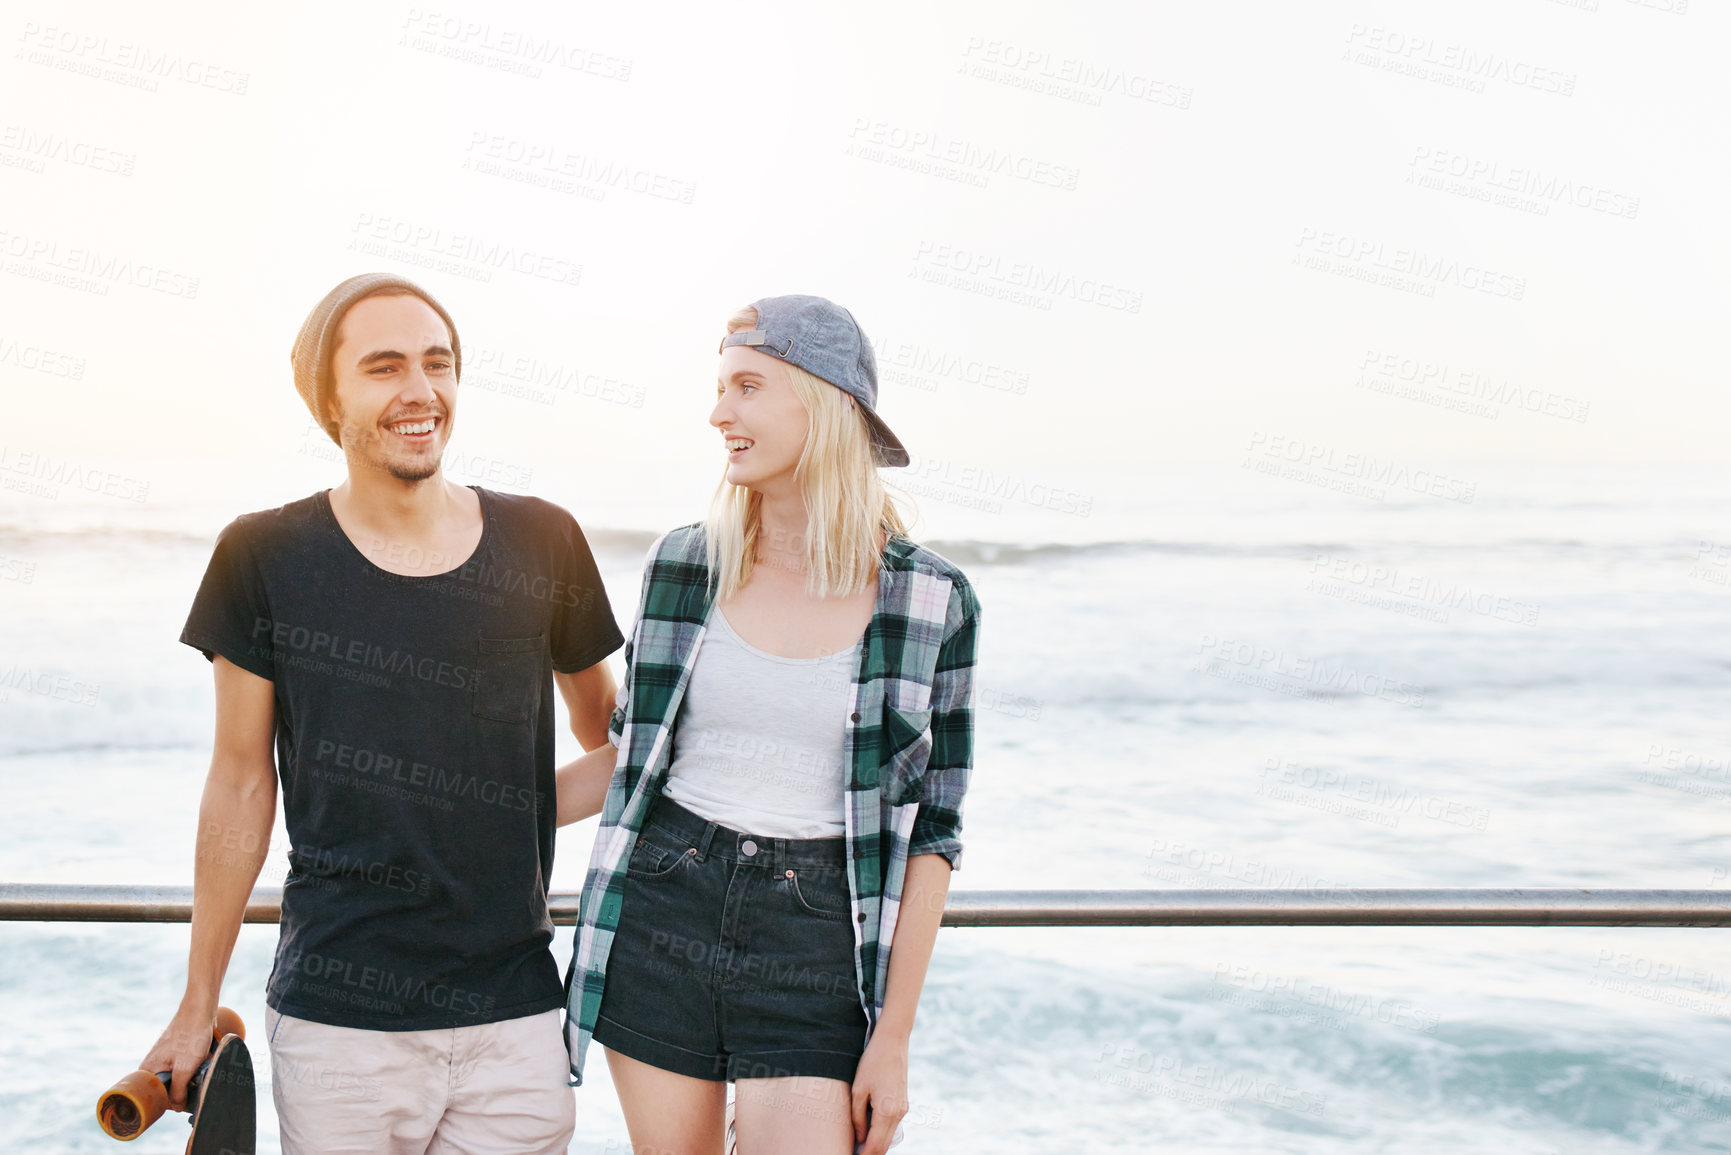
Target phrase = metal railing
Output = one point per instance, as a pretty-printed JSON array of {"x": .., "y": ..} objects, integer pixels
[{"x": 1332, "y": 906}]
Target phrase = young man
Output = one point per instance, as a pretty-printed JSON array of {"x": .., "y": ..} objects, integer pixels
[{"x": 397, "y": 640}]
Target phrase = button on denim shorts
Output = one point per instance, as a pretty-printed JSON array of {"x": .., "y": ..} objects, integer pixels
[{"x": 734, "y": 954}]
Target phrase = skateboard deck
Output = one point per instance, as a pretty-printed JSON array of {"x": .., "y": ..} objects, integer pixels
[
  {"x": 225, "y": 1119},
  {"x": 220, "y": 1095}
]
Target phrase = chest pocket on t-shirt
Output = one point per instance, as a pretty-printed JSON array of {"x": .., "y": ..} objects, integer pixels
[{"x": 509, "y": 686}]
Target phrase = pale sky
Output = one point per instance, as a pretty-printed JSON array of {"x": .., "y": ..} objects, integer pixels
[{"x": 1138, "y": 232}]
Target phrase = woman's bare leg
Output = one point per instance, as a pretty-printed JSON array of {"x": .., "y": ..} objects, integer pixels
[
  {"x": 668, "y": 1114},
  {"x": 796, "y": 1116}
]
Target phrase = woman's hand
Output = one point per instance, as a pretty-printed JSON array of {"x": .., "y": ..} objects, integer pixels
[
  {"x": 582, "y": 784},
  {"x": 880, "y": 1092}
]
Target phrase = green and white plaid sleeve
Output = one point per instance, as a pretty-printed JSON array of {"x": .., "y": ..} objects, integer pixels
[{"x": 937, "y": 829}]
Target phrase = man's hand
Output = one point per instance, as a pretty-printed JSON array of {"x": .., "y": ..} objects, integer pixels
[
  {"x": 880, "y": 1092},
  {"x": 183, "y": 1046}
]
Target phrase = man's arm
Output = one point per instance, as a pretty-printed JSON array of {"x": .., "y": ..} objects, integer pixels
[
  {"x": 588, "y": 698},
  {"x": 234, "y": 825}
]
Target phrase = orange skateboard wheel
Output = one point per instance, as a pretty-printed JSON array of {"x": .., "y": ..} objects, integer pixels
[
  {"x": 228, "y": 1023},
  {"x": 131, "y": 1105}
]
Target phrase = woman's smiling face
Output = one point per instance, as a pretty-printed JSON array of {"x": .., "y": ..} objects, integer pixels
[{"x": 761, "y": 419}]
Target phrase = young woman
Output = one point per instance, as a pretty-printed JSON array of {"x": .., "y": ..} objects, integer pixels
[{"x": 794, "y": 738}]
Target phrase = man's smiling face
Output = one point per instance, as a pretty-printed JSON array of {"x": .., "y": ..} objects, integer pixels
[{"x": 394, "y": 379}]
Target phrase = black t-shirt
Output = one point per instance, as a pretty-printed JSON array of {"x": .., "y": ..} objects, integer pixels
[{"x": 415, "y": 746}]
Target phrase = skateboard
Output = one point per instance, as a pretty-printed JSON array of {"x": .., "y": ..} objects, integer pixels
[{"x": 219, "y": 1094}]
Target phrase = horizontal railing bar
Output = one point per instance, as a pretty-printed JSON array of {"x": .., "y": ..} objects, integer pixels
[{"x": 1332, "y": 906}]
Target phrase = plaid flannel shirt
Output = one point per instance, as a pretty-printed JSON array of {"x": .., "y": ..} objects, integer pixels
[{"x": 908, "y": 744}]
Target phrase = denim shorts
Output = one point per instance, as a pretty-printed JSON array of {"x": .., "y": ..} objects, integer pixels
[{"x": 734, "y": 957}]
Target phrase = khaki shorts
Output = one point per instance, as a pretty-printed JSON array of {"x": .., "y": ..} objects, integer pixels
[{"x": 497, "y": 1087}]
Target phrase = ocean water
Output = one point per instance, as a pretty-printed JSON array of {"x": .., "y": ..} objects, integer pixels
[{"x": 1214, "y": 678}]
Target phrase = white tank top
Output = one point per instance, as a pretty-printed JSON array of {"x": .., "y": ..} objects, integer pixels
[{"x": 758, "y": 745}]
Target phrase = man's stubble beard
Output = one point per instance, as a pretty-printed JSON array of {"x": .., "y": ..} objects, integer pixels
[{"x": 356, "y": 434}]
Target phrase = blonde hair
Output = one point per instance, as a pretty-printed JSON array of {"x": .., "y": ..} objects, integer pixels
[{"x": 847, "y": 505}]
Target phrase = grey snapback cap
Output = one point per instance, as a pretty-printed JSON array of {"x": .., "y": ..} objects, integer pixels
[{"x": 822, "y": 338}]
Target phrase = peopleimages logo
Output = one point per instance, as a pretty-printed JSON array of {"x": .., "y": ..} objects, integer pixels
[
  {"x": 1457, "y": 65},
  {"x": 1207, "y": 1084},
  {"x": 986, "y": 482},
  {"x": 326, "y": 864},
  {"x": 59, "y": 687},
  {"x": 503, "y": 47},
  {"x": 309, "y": 644},
  {"x": 40, "y": 360},
  {"x": 1339, "y": 576},
  {"x": 16, "y": 569},
  {"x": 401, "y": 776},
  {"x": 136, "y": 65},
  {"x": 498, "y": 370},
  {"x": 341, "y": 980},
  {"x": 1066, "y": 77},
  {"x": 1022, "y": 281},
  {"x": 921, "y": 366},
  {"x": 1492, "y": 175},
  {"x": 1327, "y": 781},
  {"x": 41, "y": 475},
  {"x": 46, "y": 259},
  {"x": 1476, "y": 390},
  {"x": 1303, "y": 991},
  {"x": 40, "y": 147},
  {"x": 546, "y": 163},
  {"x": 1371, "y": 259},
  {"x": 1357, "y": 473},
  {"x": 462, "y": 254},
  {"x": 921, "y": 149},
  {"x": 1279, "y": 669}
]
